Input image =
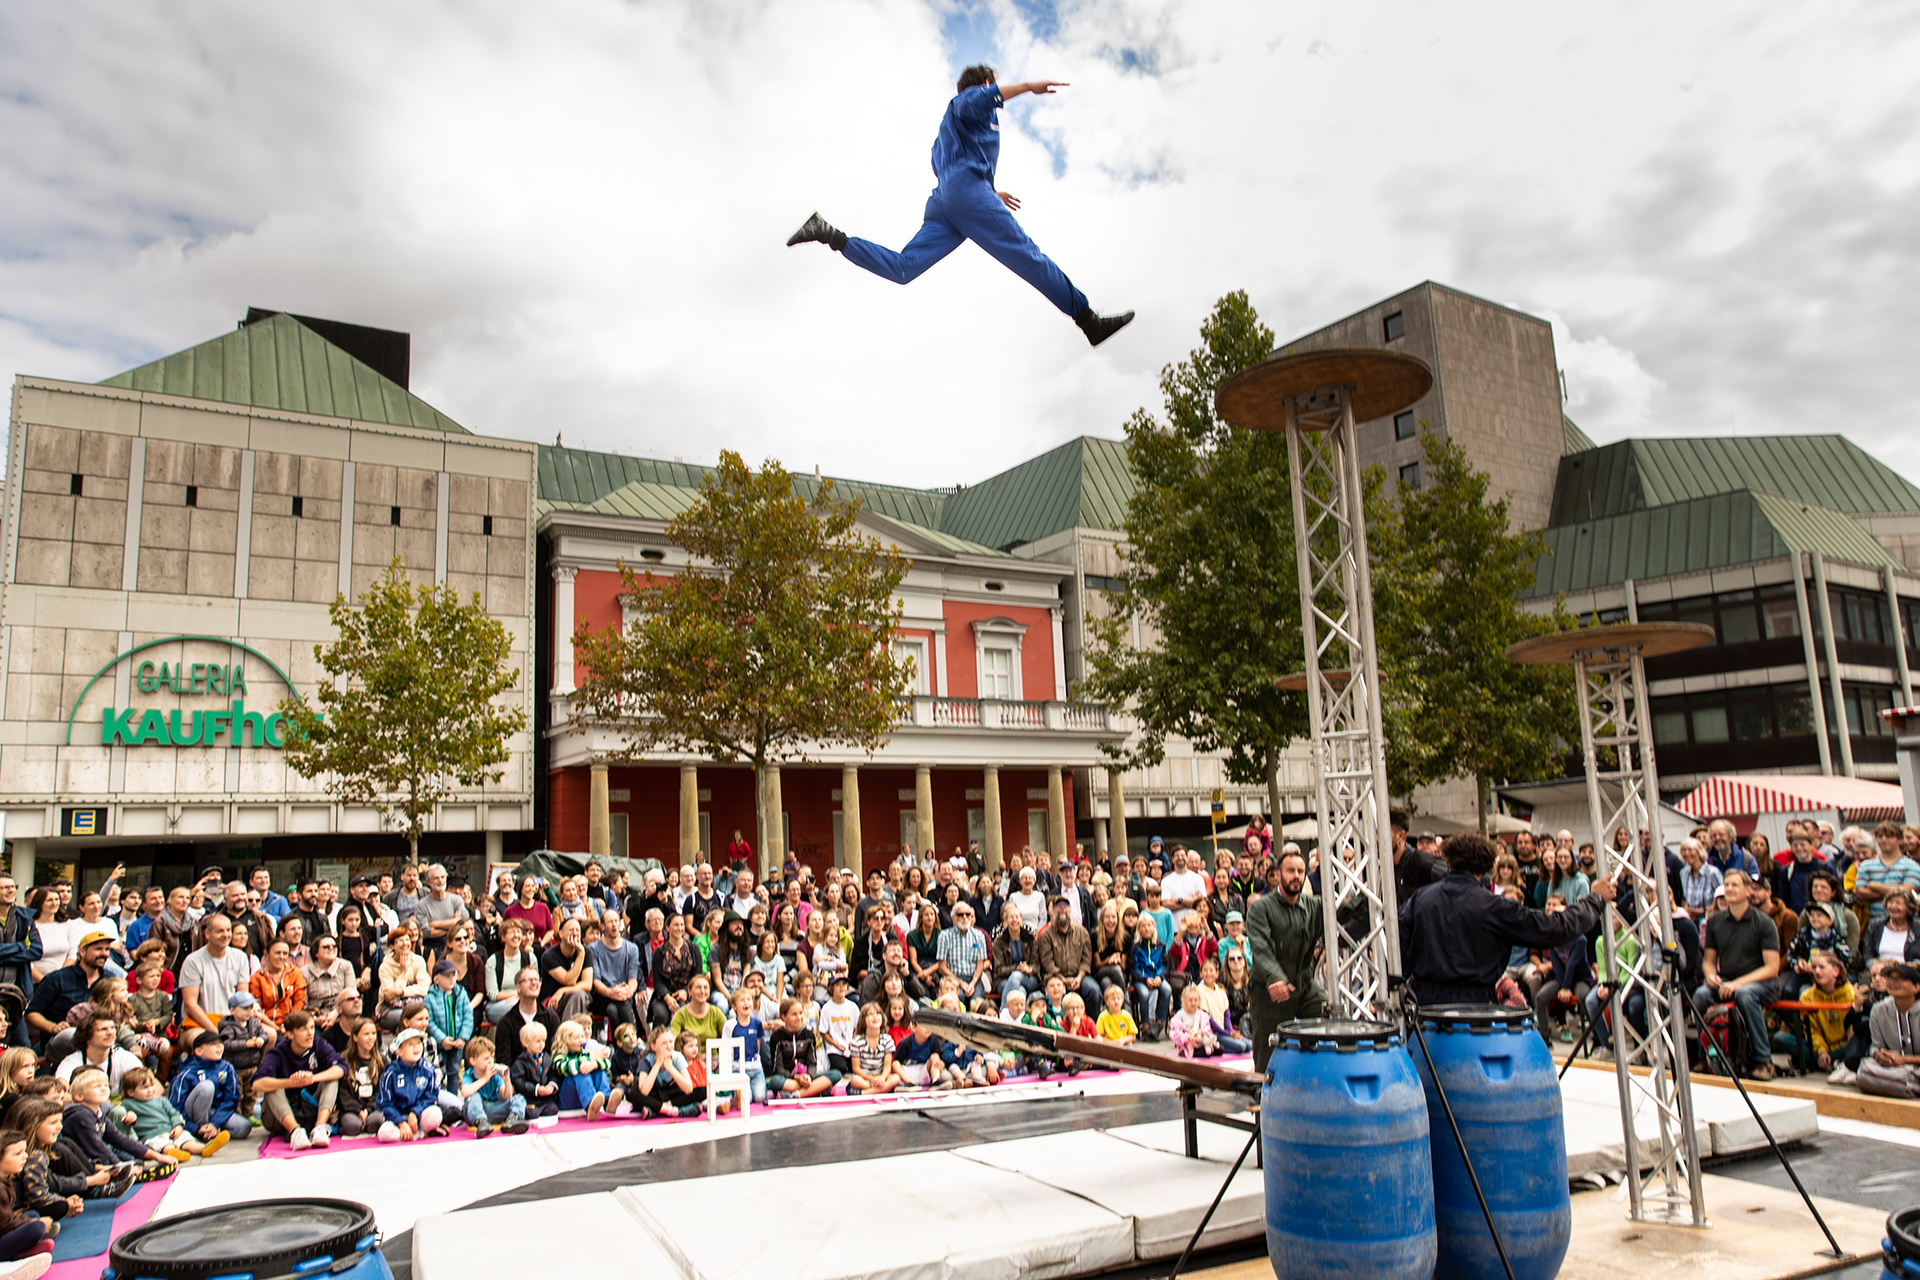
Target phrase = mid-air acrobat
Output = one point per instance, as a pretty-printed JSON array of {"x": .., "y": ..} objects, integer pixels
[{"x": 965, "y": 206}]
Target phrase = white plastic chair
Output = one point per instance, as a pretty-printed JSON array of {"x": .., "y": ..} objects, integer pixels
[{"x": 727, "y": 1073}]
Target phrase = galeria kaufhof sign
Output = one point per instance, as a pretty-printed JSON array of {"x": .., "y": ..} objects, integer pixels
[{"x": 169, "y": 667}]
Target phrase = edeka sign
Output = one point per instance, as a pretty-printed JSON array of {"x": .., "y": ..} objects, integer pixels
[{"x": 228, "y": 725}]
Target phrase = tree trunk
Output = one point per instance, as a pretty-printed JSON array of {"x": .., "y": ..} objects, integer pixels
[
  {"x": 1273, "y": 788},
  {"x": 1480, "y": 799}
]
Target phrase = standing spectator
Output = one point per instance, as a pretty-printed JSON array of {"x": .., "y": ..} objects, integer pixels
[
  {"x": 261, "y": 880},
  {"x": 533, "y": 912},
  {"x": 311, "y": 912},
  {"x": 1741, "y": 961},
  {"x": 1282, "y": 930},
  {"x": 1725, "y": 852},
  {"x": 1875, "y": 878},
  {"x": 1700, "y": 880},
  {"x": 1183, "y": 887},
  {"x": 405, "y": 899},
  {"x": 744, "y": 900},
  {"x": 1791, "y": 881},
  {"x": 441, "y": 911},
  {"x": 56, "y": 934},
  {"x": 19, "y": 948},
  {"x": 1031, "y": 903}
]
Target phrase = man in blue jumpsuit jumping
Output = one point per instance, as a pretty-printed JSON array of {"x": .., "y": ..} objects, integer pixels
[{"x": 965, "y": 206}]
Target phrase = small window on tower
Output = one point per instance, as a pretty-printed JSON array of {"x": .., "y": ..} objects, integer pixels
[
  {"x": 1410, "y": 475},
  {"x": 77, "y": 486},
  {"x": 486, "y": 526},
  {"x": 299, "y": 508},
  {"x": 1404, "y": 427},
  {"x": 193, "y": 495},
  {"x": 1396, "y": 327},
  {"x": 393, "y": 515}
]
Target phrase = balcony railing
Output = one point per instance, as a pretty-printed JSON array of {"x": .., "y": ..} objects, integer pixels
[{"x": 997, "y": 713}]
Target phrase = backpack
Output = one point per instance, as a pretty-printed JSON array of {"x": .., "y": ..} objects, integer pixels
[{"x": 1722, "y": 1028}]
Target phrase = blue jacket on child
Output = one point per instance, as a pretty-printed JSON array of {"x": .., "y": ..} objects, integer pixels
[
  {"x": 406, "y": 1091},
  {"x": 190, "y": 1070},
  {"x": 449, "y": 1015}
]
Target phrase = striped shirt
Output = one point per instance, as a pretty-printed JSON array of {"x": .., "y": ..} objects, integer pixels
[{"x": 1875, "y": 871}]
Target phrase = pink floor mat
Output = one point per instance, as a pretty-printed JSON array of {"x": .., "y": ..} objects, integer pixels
[{"x": 134, "y": 1213}]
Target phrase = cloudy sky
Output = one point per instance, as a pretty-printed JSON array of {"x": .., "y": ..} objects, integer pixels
[{"x": 578, "y": 207}]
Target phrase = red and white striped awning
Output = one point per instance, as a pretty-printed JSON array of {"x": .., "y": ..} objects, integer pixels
[{"x": 1737, "y": 795}]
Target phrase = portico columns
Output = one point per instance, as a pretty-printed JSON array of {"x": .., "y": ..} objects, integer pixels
[
  {"x": 992, "y": 850},
  {"x": 690, "y": 813},
  {"x": 1056, "y": 814},
  {"x": 923, "y": 809},
  {"x": 23, "y": 855},
  {"x": 563, "y": 621},
  {"x": 599, "y": 819},
  {"x": 850, "y": 820},
  {"x": 776, "y": 851},
  {"x": 1116, "y": 812}
]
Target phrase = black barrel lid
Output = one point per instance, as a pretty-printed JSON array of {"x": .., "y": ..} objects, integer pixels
[
  {"x": 263, "y": 1237},
  {"x": 1339, "y": 1034},
  {"x": 1475, "y": 1017}
]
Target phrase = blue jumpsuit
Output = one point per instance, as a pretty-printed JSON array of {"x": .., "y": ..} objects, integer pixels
[{"x": 965, "y": 207}]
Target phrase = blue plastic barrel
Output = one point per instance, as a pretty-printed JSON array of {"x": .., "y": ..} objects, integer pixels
[
  {"x": 1900, "y": 1251},
  {"x": 257, "y": 1239},
  {"x": 1500, "y": 1079},
  {"x": 1343, "y": 1133}
]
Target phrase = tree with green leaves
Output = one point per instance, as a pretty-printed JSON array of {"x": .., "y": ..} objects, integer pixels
[
  {"x": 409, "y": 712},
  {"x": 1448, "y": 570},
  {"x": 1211, "y": 575},
  {"x": 778, "y": 642}
]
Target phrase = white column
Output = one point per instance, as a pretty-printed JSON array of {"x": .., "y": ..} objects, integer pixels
[
  {"x": 1899, "y": 636},
  {"x": 1813, "y": 666},
  {"x": 1833, "y": 663},
  {"x": 563, "y": 621},
  {"x": 496, "y": 848},
  {"x": 599, "y": 814},
  {"x": 1059, "y": 656},
  {"x": 923, "y": 810},
  {"x": 23, "y": 854},
  {"x": 939, "y": 664}
]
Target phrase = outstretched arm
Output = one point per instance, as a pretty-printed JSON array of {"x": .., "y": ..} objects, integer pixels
[{"x": 1010, "y": 91}]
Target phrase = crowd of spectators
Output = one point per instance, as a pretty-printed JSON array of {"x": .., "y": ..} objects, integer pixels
[{"x": 160, "y": 1024}]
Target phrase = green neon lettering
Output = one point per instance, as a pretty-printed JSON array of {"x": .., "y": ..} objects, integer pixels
[
  {"x": 116, "y": 729},
  {"x": 144, "y": 678},
  {"x": 153, "y": 728}
]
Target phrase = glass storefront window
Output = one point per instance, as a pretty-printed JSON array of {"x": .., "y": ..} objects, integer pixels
[{"x": 1709, "y": 724}]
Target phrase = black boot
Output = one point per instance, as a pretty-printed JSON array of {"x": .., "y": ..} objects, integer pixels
[
  {"x": 818, "y": 228},
  {"x": 1098, "y": 328}
]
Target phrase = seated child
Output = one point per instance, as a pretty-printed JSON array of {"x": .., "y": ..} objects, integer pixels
[
  {"x": 625, "y": 1062},
  {"x": 242, "y": 1031},
  {"x": 583, "y": 1074},
  {"x": 156, "y": 1121},
  {"x": 47, "y": 1191},
  {"x": 1827, "y": 1031},
  {"x": 1116, "y": 1025},
  {"x": 22, "y": 1231},
  {"x": 792, "y": 1050},
  {"x": 1013, "y": 1008},
  {"x": 486, "y": 1090},
  {"x": 150, "y": 1009},
  {"x": 1191, "y": 1030},
  {"x": 966, "y": 1067},
  {"x": 873, "y": 1069},
  {"x": 84, "y": 1123},
  {"x": 409, "y": 1096},
  {"x": 687, "y": 1044},
  {"x": 745, "y": 1027},
  {"x": 361, "y": 1084},
  {"x": 1817, "y": 933},
  {"x": 837, "y": 1020},
  {"x": 917, "y": 1059},
  {"x": 663, "y": 1086},
  {"x": 533, "y": 1077}
]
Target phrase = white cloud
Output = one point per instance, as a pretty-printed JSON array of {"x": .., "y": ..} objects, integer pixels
[{"x": 578, "y": 208}]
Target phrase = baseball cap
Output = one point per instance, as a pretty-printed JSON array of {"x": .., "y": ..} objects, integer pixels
[
  {"x": 365, "y": 877},
  {"x": 239, "y": 1000},
  {"x": 1234, "y": 917},
  {"x": 839, "y": 980},
  {"x": 445, "y": 969},
  {"x": 1904, "y": 970},
  {"x": 96, "y": 936},
  {"x": 1823, "y": 908},
  {"x": 411, "y": 1033}
]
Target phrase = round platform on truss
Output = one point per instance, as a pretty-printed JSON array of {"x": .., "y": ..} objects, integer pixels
[
  {"x": 1338, "y": 677},
  {"x": 1653, "y": 639},
  {"x": 1383, "y": 382}
]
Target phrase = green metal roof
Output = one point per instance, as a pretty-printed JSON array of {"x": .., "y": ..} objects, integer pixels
[
  {"x": 1633, "y": 475},
  {"x": 1714, "y": 532},
  {"x": 279, "y": 363},
  {"x": 1574, "y": 440},
  {"x": 1085, "y": 483},
  {"x": 580, "y": 479}
]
